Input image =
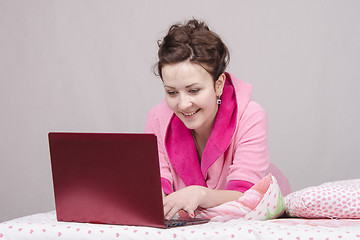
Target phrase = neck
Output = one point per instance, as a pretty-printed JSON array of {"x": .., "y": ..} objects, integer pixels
[
  {"x": 201, "y": 136},
  {"x": 200, "y": 142},
  {"x": 204, "y": 131}
]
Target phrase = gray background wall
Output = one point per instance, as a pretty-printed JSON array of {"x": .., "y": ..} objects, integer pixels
[{"x": 86, "y": 65}]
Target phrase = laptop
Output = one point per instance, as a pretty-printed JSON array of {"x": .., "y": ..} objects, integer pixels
[{"x": 108, "y": 178}]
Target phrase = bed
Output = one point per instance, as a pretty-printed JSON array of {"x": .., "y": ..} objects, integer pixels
[
  {"x": 328, "y": 211},
  {"x": 45, "y": 226}
]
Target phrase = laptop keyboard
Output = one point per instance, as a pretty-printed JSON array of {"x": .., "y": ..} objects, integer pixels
[{"x": 182, "y": 222}]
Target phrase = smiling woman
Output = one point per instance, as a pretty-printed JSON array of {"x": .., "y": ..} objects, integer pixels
[
  {"x": 212, "y": 138},
  {"x": 192, "y": 96}
]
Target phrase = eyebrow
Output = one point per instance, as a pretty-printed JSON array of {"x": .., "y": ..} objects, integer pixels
[{"x": 189, "y": 86}]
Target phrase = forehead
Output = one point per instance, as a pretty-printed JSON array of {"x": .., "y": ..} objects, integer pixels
[{"x": 185, "y": 73}]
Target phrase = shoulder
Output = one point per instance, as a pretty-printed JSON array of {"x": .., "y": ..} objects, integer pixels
[
  {"x": 253, "y": 114},
  {"x": 246, "y": 106},
  {"x": 160, "y": 110},
  {"x": 254, "y": 108},
  {"x": 252, "y": 123},
  {"x": 158, "y": 117}
]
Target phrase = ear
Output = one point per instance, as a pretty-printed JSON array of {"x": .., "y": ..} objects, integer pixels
[{"x": 219, "y": 85}]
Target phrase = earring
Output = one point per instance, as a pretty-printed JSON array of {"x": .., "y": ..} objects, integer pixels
[{"x": 218, "y": 101}]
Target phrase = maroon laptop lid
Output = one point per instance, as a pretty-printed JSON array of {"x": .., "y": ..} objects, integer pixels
[{"x": 107, "y": 178}]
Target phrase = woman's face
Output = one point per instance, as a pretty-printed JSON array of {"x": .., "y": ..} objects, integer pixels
[{"x": 191, "y": 93}]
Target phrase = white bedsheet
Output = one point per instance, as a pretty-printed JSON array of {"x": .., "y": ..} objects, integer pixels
[{"x": 45, "y": 226}]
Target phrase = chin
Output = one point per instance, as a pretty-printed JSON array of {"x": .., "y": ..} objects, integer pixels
[
  {"x": 188, "y": 124},
  {"x": 191, "y": 126}
]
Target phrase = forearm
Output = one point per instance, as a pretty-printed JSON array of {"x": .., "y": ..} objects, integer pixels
[
  {"x": 213, "y": 198},
  {"x": 192, "y": 197}
]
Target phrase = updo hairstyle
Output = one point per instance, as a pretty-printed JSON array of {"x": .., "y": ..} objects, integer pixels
[{"x": 195, "y": 42}]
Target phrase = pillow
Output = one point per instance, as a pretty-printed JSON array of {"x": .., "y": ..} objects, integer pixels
[
  {"x": 261, "y": 202},
  {"x": 339, "y": 199}
]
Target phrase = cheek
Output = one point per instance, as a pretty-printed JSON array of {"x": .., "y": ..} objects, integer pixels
[
  {"x": 170, "y": 102},
  {"x": 209, "y": 105},
  {"x": 207, "y": 100}
]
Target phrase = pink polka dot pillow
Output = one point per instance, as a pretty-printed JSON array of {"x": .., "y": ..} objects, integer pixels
[{"x": 340, "y": 199}]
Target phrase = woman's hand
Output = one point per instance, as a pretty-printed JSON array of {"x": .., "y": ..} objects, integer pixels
[
  {"x": 163, "y": 195},
  {"x": 187, "y": 199},
  {"x": 192, "y": 197}
]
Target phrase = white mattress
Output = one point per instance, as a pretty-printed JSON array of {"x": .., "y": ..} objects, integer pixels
[{"x": 45, "y": 226}]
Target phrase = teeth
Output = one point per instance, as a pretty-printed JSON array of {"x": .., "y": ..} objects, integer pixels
[{"x": 189, "y": 114}]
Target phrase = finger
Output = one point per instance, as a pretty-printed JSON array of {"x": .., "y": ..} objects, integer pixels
[
  {"x": 190, "y": 212},
  {"x": 170, "y": 208},
  {"x": 167, "y": 199},
  {"x": 183, "y": 214},
  {"x": 171, "y": 213},
  {"x": 167, "y": 208}
]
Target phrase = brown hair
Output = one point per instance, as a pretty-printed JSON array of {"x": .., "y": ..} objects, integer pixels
[{"x": 195, "y": 42}]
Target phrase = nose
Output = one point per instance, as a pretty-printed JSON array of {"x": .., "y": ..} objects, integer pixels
[{"x": 184, "y": 102}]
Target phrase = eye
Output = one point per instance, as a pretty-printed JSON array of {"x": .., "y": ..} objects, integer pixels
[
  {"x": 194, "y": 91},
  {"x": 171, "y": 93}
]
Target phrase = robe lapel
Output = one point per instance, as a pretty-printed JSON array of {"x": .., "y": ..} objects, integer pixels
[
  {"x": 223, "y": 129},
  {"x": 182, "y": 153},
  {"x": 181, "y": 148}
]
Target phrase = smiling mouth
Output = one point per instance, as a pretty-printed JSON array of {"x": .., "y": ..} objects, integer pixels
[{"x": 190, "y": 114}]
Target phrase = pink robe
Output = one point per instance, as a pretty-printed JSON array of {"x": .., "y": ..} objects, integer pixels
[{"x": 236, "y": 155}]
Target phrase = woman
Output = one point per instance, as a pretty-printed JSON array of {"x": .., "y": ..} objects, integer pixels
[{"x": 212, "y": 138}]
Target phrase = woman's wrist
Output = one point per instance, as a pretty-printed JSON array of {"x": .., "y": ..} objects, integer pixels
[
  {"x": 213, "y": 198},
  {"x": 207, "y": 197},
  {"x": 203, "y": 194}
]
